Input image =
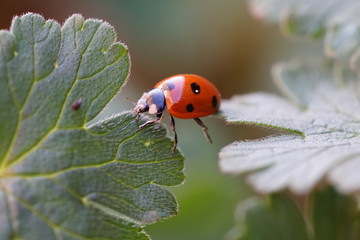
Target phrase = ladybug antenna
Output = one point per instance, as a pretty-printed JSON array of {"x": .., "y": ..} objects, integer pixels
[{"x": 130, "y": 100}]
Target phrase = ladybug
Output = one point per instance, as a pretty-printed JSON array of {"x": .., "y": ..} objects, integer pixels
[{"x": 185, "y": 96}]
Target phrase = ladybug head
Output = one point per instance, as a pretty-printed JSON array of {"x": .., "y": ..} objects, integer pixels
[{"x": 152, "y": 102}]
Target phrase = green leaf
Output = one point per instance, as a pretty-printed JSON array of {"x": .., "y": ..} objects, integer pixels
[
  {"x": 322, "y": 215},
  {"x": 336, "y": 21},
  {"x": 61, "y": 177},
  {"x": 278, "y": 218},
  {"x": 335, "y": 216},
  {"x": 322, "y": 125}
]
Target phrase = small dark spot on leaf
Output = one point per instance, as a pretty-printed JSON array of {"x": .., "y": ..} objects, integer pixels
[{"x": 76, "y": 104}]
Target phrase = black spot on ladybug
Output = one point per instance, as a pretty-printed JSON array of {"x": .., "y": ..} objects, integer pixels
[
  {"x": 76, "y": 104},
  {"x": 195, "y": 88},
  {"x": 190, "y": 107},
  {"x": 171, "y": 86},
  {"x": 214, "y": 102}
]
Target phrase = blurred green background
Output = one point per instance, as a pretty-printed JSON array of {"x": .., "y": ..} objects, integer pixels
[{"x": 216, "y": 39}]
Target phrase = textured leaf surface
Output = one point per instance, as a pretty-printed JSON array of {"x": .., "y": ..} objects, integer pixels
[
  {"x": 61, "y": 178},
  {"x": 335, "y": 20},
  {"x": 321, "y": 115}
]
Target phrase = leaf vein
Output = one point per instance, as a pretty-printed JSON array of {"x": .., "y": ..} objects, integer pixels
[
  {"x": 20, "y": 115},
  {"x": 84, "y": 201},
  {"x": 52, "y": 225},
  {"x": 103, "y": 68},
  {"x": 54, "y": 128},
  {"x": 14, "y": 234}
]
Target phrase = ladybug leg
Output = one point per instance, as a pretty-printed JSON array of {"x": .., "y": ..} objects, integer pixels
[
  {"x": 172, "y": 126},
  {"x": 204, "y": 128},
  {"x": 137, "y": 116},
  {"x": 158, "y": 119}
]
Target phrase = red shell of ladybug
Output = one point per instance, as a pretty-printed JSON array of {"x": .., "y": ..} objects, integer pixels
[
  {"x": 185, "y": 96},
  {"x": 189, "y": 96}
]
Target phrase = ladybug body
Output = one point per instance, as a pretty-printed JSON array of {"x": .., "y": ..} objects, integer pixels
[
  {"x": 189, "y": 96},
  {"x": 185, "y": 96}
]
